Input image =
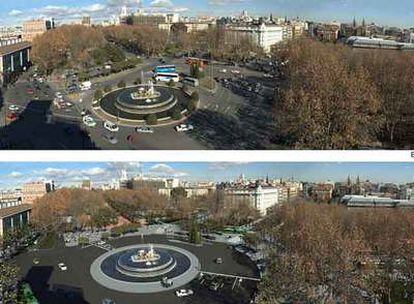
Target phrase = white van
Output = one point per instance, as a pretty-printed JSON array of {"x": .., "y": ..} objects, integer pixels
[{"x": 85, "y": 86}]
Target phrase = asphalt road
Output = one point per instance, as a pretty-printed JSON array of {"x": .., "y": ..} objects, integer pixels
[{"x": 77, "y": 286}]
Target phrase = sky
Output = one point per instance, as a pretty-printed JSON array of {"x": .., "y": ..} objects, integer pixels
[
  {"x": 13, "y": 175},
  {"x": 384, "y": 12}
]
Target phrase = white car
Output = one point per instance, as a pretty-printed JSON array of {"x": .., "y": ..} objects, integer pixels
[
  {"x": 184, "y": 293},
  {"x": 184, "y": 128},
  {"x": 13, "y": 108},
  {"x": 110, "y": 126},
  {"x": 89, "y": 121},
  {"x": 62, "y": 266},
  {"x": 235, "y": 71},
  {"x": 144, "y": 129},
  {"x": 223, "y": 71}
]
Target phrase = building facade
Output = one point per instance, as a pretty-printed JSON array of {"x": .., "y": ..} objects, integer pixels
[
  {"x": 34, "y": 28},
  {"x": 14, "y": 214},
  {"x": 262, "y": 35},
  {"x": 14, "y": 59},
  {"x": 261, "y": 198},
  {"x": 34, "y": 190}
]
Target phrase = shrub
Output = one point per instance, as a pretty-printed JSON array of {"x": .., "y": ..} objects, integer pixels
[
  {"x": 98, "y": 94},
  {"x": 191, "y": 106},
  {"x": 176, "y": 114},
  {"x": 107, "y": 89},
  {"x": 121, "y": 84},
  {"x": 195, "y": 96},
  {"x": 151, "y": 119}
]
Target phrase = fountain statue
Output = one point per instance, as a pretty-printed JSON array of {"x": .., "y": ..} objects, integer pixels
[
  {"x": 148, "y": 257},
  {"x": 146, "y": 92}
]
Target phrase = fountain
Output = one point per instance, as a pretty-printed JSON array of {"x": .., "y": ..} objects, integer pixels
[
  {"x": 141, "y": 268},
  {"x": 146, "y": 92},
  {"x": 132, "y": 105}
]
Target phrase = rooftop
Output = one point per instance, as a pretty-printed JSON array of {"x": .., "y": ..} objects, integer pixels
[
  {"x": 12, "y": 48},
  {"x": 14, "y": 210}
]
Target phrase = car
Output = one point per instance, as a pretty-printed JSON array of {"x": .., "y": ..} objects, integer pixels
[
  {"x": 36, "y": 261},
  {"x": 144, "y": 129},
  {"x": 223, "y": 71},
  {"x": 30, "y": 91},
  {"x": 166, "y": 282},
  {"x": 110, "y": 126},
  {"x": 219, "y": 261},
  {"x": 108, "y": 301},
  {"x": 110, "y": 138},
  {"x": 13, "y": 108},
  {"x": 62, "y": 267},
  {"x": 184, "y": 293},
  {"x": 184, "y": 128},
  {"x": 89, "y": 121},
  {"x": 12, "y": 116}
]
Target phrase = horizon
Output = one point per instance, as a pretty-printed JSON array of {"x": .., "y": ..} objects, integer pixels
[
  {"x": 14, "y": 175},
  {"x": 379, "y": 12}
]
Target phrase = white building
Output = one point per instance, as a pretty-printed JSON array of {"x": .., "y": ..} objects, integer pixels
[
  {"x": 261, "y": 198},
  {"x": 375, "y": 201},
  {"x": 263, "y": 35},
  {"x": 407, "y": 193}
]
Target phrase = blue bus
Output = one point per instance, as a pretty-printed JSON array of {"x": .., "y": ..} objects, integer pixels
[{"x": 165, "y": 69}]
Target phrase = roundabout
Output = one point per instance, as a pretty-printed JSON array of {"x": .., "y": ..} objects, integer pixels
[
  {"x": 134, "y": 104},
  {"x": 142, "y": 268}
]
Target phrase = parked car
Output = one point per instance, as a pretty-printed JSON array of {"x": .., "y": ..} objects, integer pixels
[
  {"x": 219, "y": 261},
  {"x": 144, "y": 129},
  {"x": 110, "y": 126},
  {"x": 184, "y": 293},
  {"x": 184, "y": 128},
  {"x": 89, "y": 121},
  {"x": 13, "y": 108}
]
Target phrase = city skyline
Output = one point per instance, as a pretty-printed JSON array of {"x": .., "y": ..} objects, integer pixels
[
  {"x": 66, "y": 174},
  {"x": 381, "y": 12}
]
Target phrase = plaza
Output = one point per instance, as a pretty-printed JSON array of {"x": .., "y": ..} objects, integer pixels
[{"x": 79, "y": 284}]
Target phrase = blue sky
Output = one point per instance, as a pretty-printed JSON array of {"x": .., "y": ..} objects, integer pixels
[
  {"x": 14, "y": 174},
  {"x": 380, "y": 11}
]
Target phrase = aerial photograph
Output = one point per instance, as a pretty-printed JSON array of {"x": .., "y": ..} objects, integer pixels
[
  {"x": 206, "y": 75},
  {"x": 265, "y": 233}
]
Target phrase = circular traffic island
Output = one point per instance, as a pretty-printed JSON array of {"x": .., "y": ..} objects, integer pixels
[
  {"x": 145, "y": 268},
  {"x": 135, "y": 105}
]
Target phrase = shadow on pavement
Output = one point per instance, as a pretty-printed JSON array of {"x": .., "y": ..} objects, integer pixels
[
  {"x": 248, "y": 130},
  {"x": 38, "y": 278},
  {"x": 36, "y": 129}
]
